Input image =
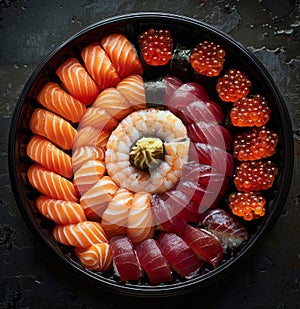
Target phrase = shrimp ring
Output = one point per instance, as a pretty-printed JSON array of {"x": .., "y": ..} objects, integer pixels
[{"x": 151, "y": 122}]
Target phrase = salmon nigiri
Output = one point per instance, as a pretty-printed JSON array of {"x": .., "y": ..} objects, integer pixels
[
  {"x": 90, "y": 136},
  {"x": 140, "y": 224},
  {"x": 97, "y": 257},
  {"x": 55, "y": 99},
  {"x": 53, "y": 127},
  {"x": 122, "y": 54},
  {"x": 80, "y": 235},
  {"x": 133, "y": 89},
  {"x": 77, "y": 81},
  {"x": 48, "y": 155},
  {"x": 113, "y": 102},
  {"x": 61, "y": 212},
  {"x": 99, "y": 66},
  {"x": 51, "y": 184}
]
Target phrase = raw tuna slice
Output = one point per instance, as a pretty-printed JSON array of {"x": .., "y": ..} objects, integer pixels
[
  {"x": 181, "y": 257},
  {"x": 227, "y": 228},
  {"x": 206, "y": 246},
  {"x": 153, "y": 262},
  {"x": 125, "y": 259}
]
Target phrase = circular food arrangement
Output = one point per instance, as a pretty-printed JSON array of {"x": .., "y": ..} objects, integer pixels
[{"x": 150, "y": 161}]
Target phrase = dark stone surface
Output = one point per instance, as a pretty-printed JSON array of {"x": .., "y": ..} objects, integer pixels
[{"x": 30, "y": 277}]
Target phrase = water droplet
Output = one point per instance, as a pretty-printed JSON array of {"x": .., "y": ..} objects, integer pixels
[
  {"x": 16, "y": 66},
  {"x": 24, "y": 8},
  {"x": 25, "y": 65}
]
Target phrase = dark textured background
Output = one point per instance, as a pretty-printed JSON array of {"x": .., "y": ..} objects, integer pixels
[{"x": 30, "y": 277}]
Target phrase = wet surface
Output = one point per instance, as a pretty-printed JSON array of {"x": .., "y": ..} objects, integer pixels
[{"x": 30, "y": 276}]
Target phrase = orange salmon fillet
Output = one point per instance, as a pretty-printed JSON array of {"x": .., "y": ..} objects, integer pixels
[
  {"x": 122, "y": 55},
  {"x": 58, "y": 101},
  {"x": 97, "y": 257},
  {"x": 89, "y": 136},
  {"x": 133, "y": 89},
  {"x": 54, "y": 128},
  {"x": 77, "y": 81},
  {"x": 59, "y": 211},
  {"x": 80, "y": 235},
  {"x": 99, "y": 66},
  {"x": 48, "y": 155},
  {"x": 51, "y": 184}
]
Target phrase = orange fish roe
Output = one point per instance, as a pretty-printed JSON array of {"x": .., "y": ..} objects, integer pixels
[
  {"x": 258, "y": 143},
  {"x": 233, "y": 86},
  {"x": 156, "y": 46},
  {"x": 249, "y": 112},
  {"x": 249, "y": 205},
  {"x": 207, "y": 58},
  {"x": 255, "y": 175}
]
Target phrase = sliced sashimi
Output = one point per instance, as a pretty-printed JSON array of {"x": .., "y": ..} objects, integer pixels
[
  {"x": 51, "y": 184},
  {"x": 153, "y": 262},
  {"x": 112, "y": 101},
  {"x": 114, "y": 217},
  {"x": 122, "y": 55},
  {"x": 58, "y": 101},
  {"x": 125, "y": 260},
  {"x": 59, "y": 211},
  {"x": 48, "y": 155},
  {"x": 181, "y": 257},
  {"x": 89, "y": 136},
  {"x": 77, "y": 81},
  {"x": 80, "y": 235},
  {"x": 133, "y": 89},
  {"x": 56, "y": 129},
  {"x": 88, "y": 174},
  {"x": 97, "y": 257},
  {"x": 95, "y": 200},
  {"x": 206, "y": 246},
  {"x": 99, "y": 66},
  {"x": 140, "y": 224}
]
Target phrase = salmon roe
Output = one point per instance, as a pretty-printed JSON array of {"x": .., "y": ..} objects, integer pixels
[
  {"x": 249, "y": 205},
  {"x": 249, "y": 112},
  {"x": 258, "y": 143},
  {"x": 207, "y": 58},
  {"x": 233, "y": 86},
  {"x": 254, "y": 175},
  {"x": 156, "y": 46}
]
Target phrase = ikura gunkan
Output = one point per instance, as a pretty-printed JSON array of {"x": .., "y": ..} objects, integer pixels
[{"x": 138, "y": 189}]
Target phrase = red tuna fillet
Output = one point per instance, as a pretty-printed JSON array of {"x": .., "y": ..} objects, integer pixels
[
  {"x": 125, "y": 258},
  {"x": 181, "y": 257},
  {"x": 206, "y": 246},
  {"x": 227, "y": 228},
  {"x": 153, "y": 262}
]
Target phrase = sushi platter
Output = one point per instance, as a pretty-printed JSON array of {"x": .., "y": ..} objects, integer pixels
[{"x": 152, "y": 153}]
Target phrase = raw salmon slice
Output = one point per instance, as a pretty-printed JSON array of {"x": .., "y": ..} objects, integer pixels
[
  {"x": 58, "y": 101},
  {"x": 112, "y": 101},
  {"x": 77, "y": 81},
  {"x": 48, "y": 155},
  {"x": 99, "y": 66},
  {"x": 89, "y": 136},
  {"x": 114, "y": 217},
  {"x": 80, "y": 235},
  {"x": 122, "y": 55},
  {"x": 132, "y": 88},
  {"x": 140, "y": 224},
  {"x": 97, "y": 257},
  {"x": 51, "y": 184},
  {"x": 88, "y": 174},
  {"x": 95, "y": 200},
  {"x": 54, "y": 128},
  {"x": 59, "y": 211}
]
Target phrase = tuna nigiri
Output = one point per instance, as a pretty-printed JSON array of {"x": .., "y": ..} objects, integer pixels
[
  {"x": 80, "y": 235},
  {"x": 61, "y": 212},
  {"x": 54, "y": 128},
  {"x": 51, "y": 184},
  {"x": 48, "y": 155},
  {"x": 55, "y": 99},
  {"x": 99, "y": 66},
  {"x": 77, "y": 81},
  {"x": 122, "y": 55}
]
